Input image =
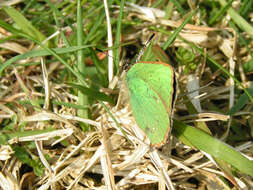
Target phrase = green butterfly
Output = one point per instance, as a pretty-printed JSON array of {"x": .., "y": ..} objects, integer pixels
[{"x": 152, "y": 89}]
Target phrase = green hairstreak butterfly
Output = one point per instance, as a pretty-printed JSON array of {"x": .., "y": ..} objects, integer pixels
[{"x": 152, "y": 90}]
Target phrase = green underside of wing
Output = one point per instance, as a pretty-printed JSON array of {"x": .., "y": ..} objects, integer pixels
[{"x": 151, "y": 88}]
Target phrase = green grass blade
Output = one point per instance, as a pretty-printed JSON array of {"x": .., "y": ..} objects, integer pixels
[
  {"x": 212, "y": 146},
  {"x": 52, "y": 6},
  {"x": 82, "y": 98},
  {"x": 241, "y": 102},
  {"x": 221, "y": 12},
  {"x": 248, "y": 66},
  {"x": 179, "y": 7},
  {"x": 24, "y": 24},
  {"x": 246, "y": 7},
  {"x": 25, "y": 157},
  {"x": 92, "y": 93},
  {"x": 224, "y": 70},
  {"x": 118, "y": 32},
  {"x": 239, "y": 20},
  {"x": 176, "y": 32},
  {"x": 5, "y": 136},
  {"x": 38, "y": 53},
  {"x": 59, "y": 103},
  {"x": 17, "y": 32}
]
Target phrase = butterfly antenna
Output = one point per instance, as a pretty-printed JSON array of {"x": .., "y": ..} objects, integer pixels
[
  {"x": 144, "y": 47},
  {"x": 127, "y": 64}
]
